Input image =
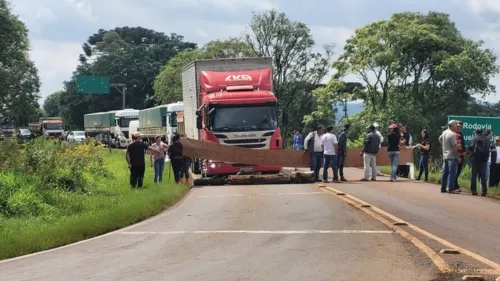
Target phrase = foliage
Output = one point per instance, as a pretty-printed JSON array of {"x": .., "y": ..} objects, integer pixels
[
  {"x": 19, "y": 81},
  {"x": 130, "y": 55},
  {"x": 298, "y": 70},
  {"x": 168, "y": 85},
  {"x": 417, "y": 69},
  {"x": 53, "y": 194}
]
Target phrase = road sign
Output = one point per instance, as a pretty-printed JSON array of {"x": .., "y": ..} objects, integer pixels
[
  {"x": 471, "y": 123},
  {"x": 92, "y": 84}
]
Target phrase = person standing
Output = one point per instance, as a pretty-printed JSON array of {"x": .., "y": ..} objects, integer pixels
[
  {"x": 407, "y": 140},
  {"x": 342, "y": 151},
  {"x": 312, "y": 143},
  {"x": 184, "y": 173},
  {"x": 479, "y": 148},
  {"x": 423, "y": 163},
  {"x": 393, "y": 141},
  {"x": 377, "y": 131},
  {"x": 448, "y": 141},
  {"x": 495, "y": 163},
  {"x": 461, "y": 152},
  {"x": 157, "y": 159},
  {"x": 135, "y": 158},
  {"x": 297, "y": 141},
  {"x": 176, "y": 155},
  {"x": 489, "y": 134},
  {"x": 369, "y": 153},
  {"x": 330, "y": 148}
]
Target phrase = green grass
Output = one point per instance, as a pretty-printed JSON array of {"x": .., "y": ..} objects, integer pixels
[
  {"x": 463, "y": 180},
  {"x": 68, "y": 216}
]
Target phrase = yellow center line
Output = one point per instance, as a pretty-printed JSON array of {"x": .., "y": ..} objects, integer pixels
[{"x": 466, "y": 252}]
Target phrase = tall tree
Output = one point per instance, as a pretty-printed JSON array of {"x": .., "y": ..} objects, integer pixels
[
  {"x": 298, "y": 69},
  {"x": 130, "y": 55},
  {"x": 52, "y": 103},
  {"x": 19, "y": 81},
  {"x": 417, "y": 69},
  {"x": 168, "y": 86}
]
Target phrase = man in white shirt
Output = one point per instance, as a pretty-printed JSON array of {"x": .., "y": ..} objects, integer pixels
[
  {"x": 313, "y": 145},
  {"x": 330, "y": 147}
]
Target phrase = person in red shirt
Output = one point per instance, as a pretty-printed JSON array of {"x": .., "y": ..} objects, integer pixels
[{"x": 461, "y": 151}]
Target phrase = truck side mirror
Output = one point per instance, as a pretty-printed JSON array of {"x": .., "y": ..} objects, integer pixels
[
  {"x": 199, "y": 121},
  {"x": 284, "y": 118}
]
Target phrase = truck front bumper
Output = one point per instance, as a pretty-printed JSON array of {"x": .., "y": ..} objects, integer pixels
[{"x": 221, "y": 168}]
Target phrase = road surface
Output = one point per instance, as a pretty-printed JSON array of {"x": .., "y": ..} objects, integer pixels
[{"x": 287, "y": 232}]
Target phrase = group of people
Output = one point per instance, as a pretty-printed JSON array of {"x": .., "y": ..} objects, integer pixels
[
  {"x": 483, "y": 158},
  {"x": 135, "y": 157}
]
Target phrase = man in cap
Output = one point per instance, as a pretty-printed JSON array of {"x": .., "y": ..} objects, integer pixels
[
  {"x": 135, "y": 159},
  {"x": 369, "y": 153},
  {"x": 342, "y": 151},
  {"x": 449, "y": 144}
]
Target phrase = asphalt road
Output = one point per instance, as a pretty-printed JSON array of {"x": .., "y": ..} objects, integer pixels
[
  {"x": 287, "y": 232},
  {"x": 471, "y": 222}
]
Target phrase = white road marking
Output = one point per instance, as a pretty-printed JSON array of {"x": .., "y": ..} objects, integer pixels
[
  {"x": 263, "y": 194},
  {"x": 260, "y": 232}
]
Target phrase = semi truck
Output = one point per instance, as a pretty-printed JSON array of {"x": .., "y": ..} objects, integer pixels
[
  {"x": 7, "y": 130},
  {"x": 49, "y": 127},
  {"x": 159, "y": 121},
  {"x": 115, "y": 122},
  {"x": 231, "y": 102}
]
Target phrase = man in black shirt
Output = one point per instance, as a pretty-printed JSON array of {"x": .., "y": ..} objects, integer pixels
[
  {"x": 342, "y": 151},
  {"x": 135, "y": 159}
]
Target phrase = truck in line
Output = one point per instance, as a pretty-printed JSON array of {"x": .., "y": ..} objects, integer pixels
[
  {"x": 49, "y": 127},
  {"x": 115, "y": 123},
  {"x": 159, "y": 121},
  {"x": 231, "y": 102}
]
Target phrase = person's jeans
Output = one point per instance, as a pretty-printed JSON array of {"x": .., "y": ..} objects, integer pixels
[
  {"x": 478, "y": 168},
  {"x": 185, "y": 170},
  {"x": 459, "y": 171},
  {"x": 370, "y": 163},
  {"x": 340, "y": 163},
  {"x": 316, "y": 162},
  {"x": 394, "y": 161},
  {"x": 449, "y": 174},
  {"x": 177, "y": 166},
  {"x": 423, "y": 167},
  {"x": 330, "y": 161},
  {"x": 137, "y": 175},
  {"x": 159, "y": 165}
]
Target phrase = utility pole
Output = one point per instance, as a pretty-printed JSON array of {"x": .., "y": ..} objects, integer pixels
[
  {"x": 122, "y": 88},
  {"x": 345, "y": 109}
]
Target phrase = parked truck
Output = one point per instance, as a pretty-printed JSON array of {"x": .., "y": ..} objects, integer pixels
[
  {"x": 115, "y": 123},
  {"x": 98, "y": 125},
  {"x": 7, "y": 130},
  {"x": 49, "y": 127},
  {"x": 159, "y": 121},
  {"x": 231, "y": 102}
]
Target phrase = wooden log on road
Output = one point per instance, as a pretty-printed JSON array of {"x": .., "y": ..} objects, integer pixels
[
  {"x": 258, "y": 179},
  {"x": 302, "y": 177}
]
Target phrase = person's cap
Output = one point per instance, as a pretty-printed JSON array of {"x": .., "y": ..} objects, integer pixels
[
  {"x": 371, "y": 127},
  {"x": 375, "y": 125},
  {"x": 137, "y": 135},
  {"x": 393, "y": 126}
]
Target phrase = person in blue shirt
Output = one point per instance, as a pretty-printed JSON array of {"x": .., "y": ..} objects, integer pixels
[{"x": 297, "y": 141}]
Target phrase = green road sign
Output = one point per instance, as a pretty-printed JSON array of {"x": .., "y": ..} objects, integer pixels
[
  {"x": 92, "y": 84},
  {"x": 471, "y": 123}
]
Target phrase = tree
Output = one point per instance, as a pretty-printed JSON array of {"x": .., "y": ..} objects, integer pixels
[
  {"x": 19, "y": 81},
  {"x": 168, "y": 86},
  {"x": 130, "y": 55},
  {"x": 417, "y": 69},
  {"x": 298, "y": 70},
  {"x": 52, "y": 104}
]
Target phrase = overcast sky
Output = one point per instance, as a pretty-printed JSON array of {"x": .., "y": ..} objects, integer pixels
[{"x": 59, "y": 27}]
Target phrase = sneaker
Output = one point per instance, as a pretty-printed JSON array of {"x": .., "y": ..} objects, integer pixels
[
  {"x": 363, "y": 179},
  {"x": 337, "y": 181},
  {"x": 483, "y": 194},
  {"x": 374, "y": 179},
  {"x": 343, "y": 179},
  {"x": 474, "y": 193}
]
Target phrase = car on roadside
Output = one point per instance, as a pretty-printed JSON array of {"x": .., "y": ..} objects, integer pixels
[
  {"x": 24, "y": 135},
  {"x": 76, "y": 137}
]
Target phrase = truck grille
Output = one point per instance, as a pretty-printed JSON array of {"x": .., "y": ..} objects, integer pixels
[
  {"x": 244, "y": 141},
  {"x": 247, "y": 143},
  {"x": 256, "y": 145}
]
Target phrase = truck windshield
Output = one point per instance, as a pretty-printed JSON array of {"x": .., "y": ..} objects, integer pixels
[
  {"x": 125, "y": 121},
  {"x": 244, "y": 118},
  {"x": 56, "y": 126}
]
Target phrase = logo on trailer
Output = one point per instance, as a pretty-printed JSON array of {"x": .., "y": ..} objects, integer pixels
[{"x": 242, "y": 77}]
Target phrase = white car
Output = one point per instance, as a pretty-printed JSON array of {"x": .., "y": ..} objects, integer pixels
[{"x": 76, "y": 137}]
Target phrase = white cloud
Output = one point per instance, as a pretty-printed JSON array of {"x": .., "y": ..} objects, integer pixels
[
  {"x": 84, "y": 9},
  {"x": 479, "y": 6},
  {"x": 229, "y": 5},
  {"x": 55, "y": 61}
]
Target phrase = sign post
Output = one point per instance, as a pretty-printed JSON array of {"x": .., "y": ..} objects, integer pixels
[
  {"x": 471, "y": 123},
  {"x": 99, "y": 85}
]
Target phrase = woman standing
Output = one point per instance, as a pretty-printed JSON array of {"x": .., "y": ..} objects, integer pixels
[
  {"x": 176, "y": 157},
  {"x": 157, "y": 159},
  {"x": 425, "y": 148},
  {"x": 393, "y": 141}
]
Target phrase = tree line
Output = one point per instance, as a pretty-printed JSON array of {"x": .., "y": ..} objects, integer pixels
[{"x": 414, "y": 69}]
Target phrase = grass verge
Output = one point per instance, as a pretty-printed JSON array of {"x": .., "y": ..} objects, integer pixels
[
  {"x": 67, "y": 216},
  {"x": 463, "y": 180}
]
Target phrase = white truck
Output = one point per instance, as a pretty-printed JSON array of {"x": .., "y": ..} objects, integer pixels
[
  {"x": 159, "y": 121},
  {"x": 120, "y": 130}
]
